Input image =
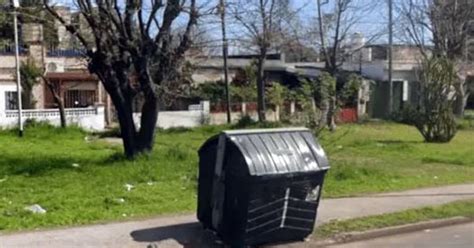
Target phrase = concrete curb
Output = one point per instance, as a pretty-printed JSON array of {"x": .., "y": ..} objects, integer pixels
[{"x": 388, "y": 231}]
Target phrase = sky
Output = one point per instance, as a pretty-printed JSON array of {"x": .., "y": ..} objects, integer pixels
[{"x": 369, "y": 22}]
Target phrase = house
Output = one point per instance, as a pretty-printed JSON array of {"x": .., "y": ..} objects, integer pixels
[
  {"x": 210, "y": 69},
  {"x": 405, "y": 64},
  {"x": 370, "y": 61},
  {"x": 64, "y": 68}
]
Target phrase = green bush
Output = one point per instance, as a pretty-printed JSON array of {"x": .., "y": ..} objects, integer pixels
[
  {"x": 406, "y": 115},
  {"x": 244, "y": 122},
  {"x": 434, "y": 117}
]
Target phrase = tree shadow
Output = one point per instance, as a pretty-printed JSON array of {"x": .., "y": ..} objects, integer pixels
[
  {"x": 189, "y": 235},
  {"x": 37, "y": 166},
  {"x": 399, "y": 142}
]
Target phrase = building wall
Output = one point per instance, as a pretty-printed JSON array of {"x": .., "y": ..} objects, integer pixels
[
  {"x": 196, "y": 116},
  {"x": 63, "y": 34},
  {"x": 203, "y": 75},
  {"x": 400, "y": 53}
]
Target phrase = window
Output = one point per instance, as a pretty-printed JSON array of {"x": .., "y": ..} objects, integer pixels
[
  {"x": 79, "y": 98},
  {"x": 11, "y": 100}
]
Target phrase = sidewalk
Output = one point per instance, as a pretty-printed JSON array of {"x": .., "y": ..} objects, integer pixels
[{"x": 179, "y": 231}]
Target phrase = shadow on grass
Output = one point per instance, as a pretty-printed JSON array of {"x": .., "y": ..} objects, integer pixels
[
  {"x": 187, "y": 235},
  {"x": 38, "y": 166},
  {"x": 399, "y": 142},
  {"x": 444, "y": 160}
]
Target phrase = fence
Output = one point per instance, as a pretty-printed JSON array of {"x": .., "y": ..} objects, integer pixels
[
  {"x": 347, "y": 115},
  {"x": 218, "y": 112},
  {"x": 92, "y": 118}
]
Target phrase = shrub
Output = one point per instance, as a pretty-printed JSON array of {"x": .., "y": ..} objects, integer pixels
[
  {"x": 244, "y": 122},
  {"x": 407, "y": 115},
  {"x": 434, "y": 116}
]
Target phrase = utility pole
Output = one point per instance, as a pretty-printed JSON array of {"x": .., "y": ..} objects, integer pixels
[
  {"x": 390, "y": 56},
  {"x": 224, "y": 55},
  {"x": 16, "y": 5}
]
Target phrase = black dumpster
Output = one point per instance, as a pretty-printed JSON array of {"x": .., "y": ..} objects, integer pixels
[{"x": 260, "y": 186}]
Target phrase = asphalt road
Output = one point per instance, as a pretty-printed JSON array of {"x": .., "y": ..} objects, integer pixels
[{"x": 459, "y": 236}]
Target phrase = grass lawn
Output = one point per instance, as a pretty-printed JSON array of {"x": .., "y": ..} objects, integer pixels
[
  {"x": 455, "y": 209},
  {"x": 40, "y": 169}
]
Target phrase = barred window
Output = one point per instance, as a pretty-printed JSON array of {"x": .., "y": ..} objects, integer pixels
[
  {"x": 11, "y": 100},
  {"x": 79, "y": 98}
]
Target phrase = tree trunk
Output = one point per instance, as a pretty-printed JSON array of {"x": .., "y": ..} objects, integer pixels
[
  {"x": 322, "y": 120},
  {"x": 136, "y": 142},
  {"x": 261, "y": 87},
  {"x": 146, "y": 136},
  {"x": 331, "y": 114},
  {"x": 55, "y": 90},
  {"x": 62, "y": 111},
  {"x": 461, "y": 101},
  {"x": 126, "y": 123}
]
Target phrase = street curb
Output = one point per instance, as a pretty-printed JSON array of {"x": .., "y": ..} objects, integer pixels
[{"x": 387, "y": 231}]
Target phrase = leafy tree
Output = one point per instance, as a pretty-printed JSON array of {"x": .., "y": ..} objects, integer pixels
[
  {"x": 6, "y": 24},
  {"x": 325, "y": 95},
  {"x": 244, "y": 85},
  {"x": 212, "y": 91},
  {"x": 29, "y": 74},
  {"x": 350, "y": 89},
  {"x": 434, "y": 116},
  {"x": 277, "y": 94},
  {"x": 329, "y": 94},
  {"x": 305, "y": 95},
  {"x": 449, "y": 23},
  {"x": 30, "y": 11}
]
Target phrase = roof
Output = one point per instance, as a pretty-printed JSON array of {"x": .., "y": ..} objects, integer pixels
[
  {"x": 71, "y": 76},
  {"x": 279, "y": 151}
]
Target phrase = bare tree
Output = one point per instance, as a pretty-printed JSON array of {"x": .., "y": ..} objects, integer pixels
[
  {"x": 441, "y": 28},
  {"x": 261, "y": 22},
  {"x": 337, "y": 20},
  {"x": 127, "y": 37}
]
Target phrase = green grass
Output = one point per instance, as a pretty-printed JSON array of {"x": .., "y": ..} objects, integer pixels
[
  {"x": 37, "y": 169},
  {"x": 463, "y": 208},
  {"x": 387, "y": 157},
  {"x": 468, "y": 121}
]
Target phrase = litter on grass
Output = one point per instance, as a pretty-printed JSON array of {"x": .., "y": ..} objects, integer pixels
[
  {"x": 36, "y": 209},
  {"x": 129, "y": 187}
]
